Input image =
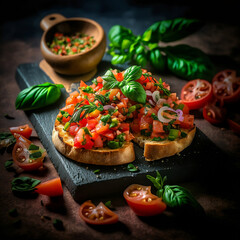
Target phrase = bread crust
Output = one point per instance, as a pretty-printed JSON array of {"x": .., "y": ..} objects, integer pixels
[
  {"x": 156, "y": 150},
  {"x": 64, "y": 143}
]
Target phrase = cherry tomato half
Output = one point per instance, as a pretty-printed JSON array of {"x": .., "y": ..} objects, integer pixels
[
  {"x": 27, "y": 155},
  {"x": 196, "y": 93},
  {"x": 97, "y": 215},
  {"x": 51, "y": 188},
  {"x": 142, "y": 201},
  {"x": 226, "y": 86},
  {"x": 24, "y": 130},
  {"x": 213, "y": 113}
]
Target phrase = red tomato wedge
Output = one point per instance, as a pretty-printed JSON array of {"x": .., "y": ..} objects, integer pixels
[
  {"x": 97, "y": 215},
  {"x": 51, "y": 188},
  {"x": 226, "y": 86},
  {"x": 142, "y": 201},
  {"x": 27, "y": 155},
  {"x": 196, "y": 93},
  {"x": 24, "y": 130},
  {"x": 214, "y": 113}
]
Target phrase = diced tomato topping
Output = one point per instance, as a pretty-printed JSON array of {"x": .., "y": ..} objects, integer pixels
[
  {"x": 91, "y": 123},
  {"x": 83, "y": 140},
  {"x": 157, "y": 127},
  {"x": 83, "y": 84},
  {"x": 98, "y": 142},
  {"x": 74, "y": 98},
  {"x": 113, "y": 92},
  {"x": 119, "y": 76},
  {"x": 135, "y": 127},
  {"x": 187, "y": 122},
  {"x": 124, "y": 127},
  {"x": 73, "y": 130},
  {"x": 109, "y": 135},
  {"x": 101, "y": 128}
]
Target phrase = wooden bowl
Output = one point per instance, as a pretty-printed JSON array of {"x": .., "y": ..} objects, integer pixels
[{"x": 80, "y": 63}]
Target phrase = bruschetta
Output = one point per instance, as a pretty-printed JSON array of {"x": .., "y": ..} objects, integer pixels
[{"x": 99, "y": 121}]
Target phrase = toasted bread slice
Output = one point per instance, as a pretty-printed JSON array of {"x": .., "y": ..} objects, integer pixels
[
  {"x": 156, "y": 150},
  {"x": 64, "y": 143}
]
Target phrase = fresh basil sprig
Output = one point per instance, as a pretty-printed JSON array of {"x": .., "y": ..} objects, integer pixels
[
  {"x": 130, "y": 88},
  {"x": 24, "y": 184},
  {"x": 175, "y": 196},
  {"x": 181, "y": 60},
  {"x": 38, "y": 96}
]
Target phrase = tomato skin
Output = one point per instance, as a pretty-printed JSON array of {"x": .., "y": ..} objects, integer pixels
[
  {"x": 222, "y": 82},
  {"x": 234, "y": 126},
  {"x": 23, "y": 144},
  {"x": 23, "y": 130},
  {"x": 97, "y": 215},
  {"x": 214, "y": 114},
  {"x": 196, "y": 93},
  {"x": 51, "y": 188},
  {"x": 142, "y": 201}
]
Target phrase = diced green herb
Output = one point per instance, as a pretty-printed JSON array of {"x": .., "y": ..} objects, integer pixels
[
  {"x": 87, "y": 89},
  {"x": 86, "y": 130},
  {"x": 183, "y": 134},
  {"x": 96, "y": 171},
  {"x": 154, "y": 116},
  {"x": 173, "y": 134},
  {"x": 8, "y": 164},
  {"x": 132, "y": 168},
  {"x": 33, "y": 147},
  {"x": 35, "y": 155},
  {"x": 58, "y": 224},
  {"x": 158, "y": 139},
  {"x": 105, "y": 118}
]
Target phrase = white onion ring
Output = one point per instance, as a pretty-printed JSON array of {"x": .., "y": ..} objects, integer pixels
[
  {"x": 151, "y": 102},
  {"x": 156, "y": 96},
  {"x": 148, "y": 93},
  {"x": 165, "y": 120}
]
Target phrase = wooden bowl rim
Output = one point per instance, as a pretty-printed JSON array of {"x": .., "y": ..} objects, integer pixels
[{"x": 68, "y": 57}]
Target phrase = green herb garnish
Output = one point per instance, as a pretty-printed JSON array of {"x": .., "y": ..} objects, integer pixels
[
  {"x": 24, "y": 184},
  {"x": 132, "y": 168}
]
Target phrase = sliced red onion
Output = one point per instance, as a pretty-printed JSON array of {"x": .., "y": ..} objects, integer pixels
[
  {"x": 148, "y": 93},
  {"x": 166, "y": 120},
  {"x": 151, "y": 102},
  {"x": 106, "y": 107},
  {"x": 160, "y": 101},
  {"x": 156, "y": 96}
]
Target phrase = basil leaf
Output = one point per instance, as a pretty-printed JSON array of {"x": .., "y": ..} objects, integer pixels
[
  {"x": 141, "y": 59},
  {"x": 24, "y": 184},
  {"x": 172, "y": 30},
  {"x": 35, "y": 155},
  {"x": 176, "y": 196},
  {"x": 111, "y": 85},
  {"x": 158, "y": 59},
  {"x": 132, "y": 73},
  {"x": 120, "y": 59},
  {"x": 38, "y": 96},
  {"x": 109, "y": 76},
  {"x": 134, "y": 91},
  {"x": 117, "y": 34},
  {"x": 33, "y": 147},
  {"x": 189, "y": 62}
]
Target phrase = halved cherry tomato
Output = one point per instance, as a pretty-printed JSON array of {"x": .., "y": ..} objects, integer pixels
[
  {"x": 196, "y": 93},
  {"x": 51, "y": 188},
  {"x": 226, "y": 86},
  {"x": 97, "y": 215},
  {"x": 24, "y": 130},
  {"x": 25, "y": 158},
  {"x": 214, "y": 113},
  {"x": 142, "y": 201}
]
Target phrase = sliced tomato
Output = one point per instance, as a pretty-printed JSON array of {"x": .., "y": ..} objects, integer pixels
[
  {"x": 51, "y": 188},
  {"x": 27, "y": 156},
  {"x": 97, "y": 215},
  {"x": 101, "y": 128},
  {"x": 196, "y": 93},
  {"x": 142, "y": 201},
  {"x": 23, "y": 130},
  {"x": 214, "y": 114},
  {"x": 73, "y": 129},
  {"x": 91, "y": 123},
  {"x": 226, "y": 86},
  {"x": 157, "y": 127}
]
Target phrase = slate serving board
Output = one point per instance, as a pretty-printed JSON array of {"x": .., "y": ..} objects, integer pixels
[{"x": 200, "y": 157}]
